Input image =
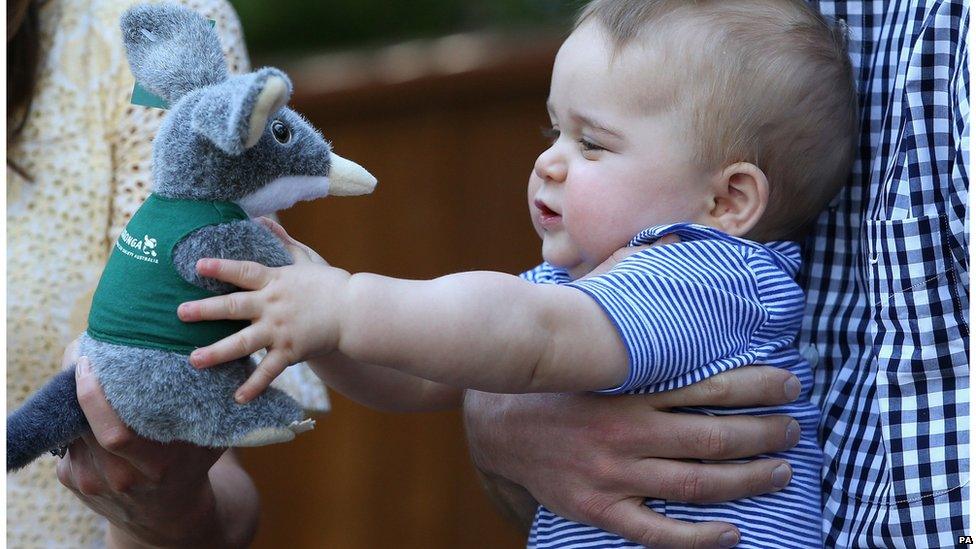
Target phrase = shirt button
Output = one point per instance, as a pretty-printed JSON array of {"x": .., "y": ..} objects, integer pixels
[{"x": 811, "y": 354}]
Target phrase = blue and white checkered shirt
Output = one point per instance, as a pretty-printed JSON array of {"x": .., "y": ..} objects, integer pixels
[{"x": 887, "y": 281}]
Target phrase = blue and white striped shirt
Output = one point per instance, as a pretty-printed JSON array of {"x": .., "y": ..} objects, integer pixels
[{"x": 690, "y": 310}]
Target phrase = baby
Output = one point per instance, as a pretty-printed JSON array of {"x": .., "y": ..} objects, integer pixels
[{"x": 691, "y": 142}]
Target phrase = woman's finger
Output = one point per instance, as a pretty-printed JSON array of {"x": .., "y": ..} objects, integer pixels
[
  {"x": 77, "y": 471},
  {"x": 245, "y": 342},
  {"x": 270, "y": 367},
  {"x": 738, "y": 388},
  {"x": 282, "y": 234},
  {"x": 300, "y": 254},
  {"x": 107, "y": 428},
  {"x": 299, "y": 251},
  {"x": 109, "y": 433},
  {"x": 70, "y": 356},
  {"x": 248, "y": 275},
  {"x": 234, "y": 306},
  {"x": 277, "y": 230},
  {"x": 119, "y": 475}
]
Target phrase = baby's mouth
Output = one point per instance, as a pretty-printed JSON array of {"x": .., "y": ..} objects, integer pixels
[{"x": 546, "y": 214}]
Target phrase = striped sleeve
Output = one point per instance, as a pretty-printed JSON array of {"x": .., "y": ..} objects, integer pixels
[
  {"x": 545, "y": 274},
  {"x": 681, "y": 318},
  {"x": 534, "y": 274}
]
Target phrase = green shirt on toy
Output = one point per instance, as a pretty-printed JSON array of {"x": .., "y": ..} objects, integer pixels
[{"x": 140, "y": 289}]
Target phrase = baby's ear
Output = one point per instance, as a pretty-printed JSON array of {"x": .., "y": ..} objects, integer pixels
[
  {"x": 234, "y": 115},
  {"x": 741, "y": 193},
  {"x": 172, "y": 50}
]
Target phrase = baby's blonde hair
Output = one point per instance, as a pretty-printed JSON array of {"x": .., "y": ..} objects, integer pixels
[{"x": 764, "y": 81}]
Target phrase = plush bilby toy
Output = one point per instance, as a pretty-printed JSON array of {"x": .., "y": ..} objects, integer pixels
[{"x": 228, "y": 150}]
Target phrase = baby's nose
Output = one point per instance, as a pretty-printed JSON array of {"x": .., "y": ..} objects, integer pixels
[{"x": 550, "y": 166}]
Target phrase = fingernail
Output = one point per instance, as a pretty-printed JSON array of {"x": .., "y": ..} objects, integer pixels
[
  {"x": 792, "y": 388},
  {"x": 182, "y": 310},
  {"x": 792, "y": 434},
  {"x": 728, "y": 539},
  {"x": 83, "y": 367},
  {"x": 239, "y": 397},
  {"x": 196, "y": 357},
  {"x": 781, "y": 476}
]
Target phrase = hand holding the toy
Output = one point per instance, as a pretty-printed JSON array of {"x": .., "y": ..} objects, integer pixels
[
  {"x": 277, "y": 306},
  {"x": 173, "y": 494}
]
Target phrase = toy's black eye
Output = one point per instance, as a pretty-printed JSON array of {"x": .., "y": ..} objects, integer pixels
[{"x": 280, "y": 132}]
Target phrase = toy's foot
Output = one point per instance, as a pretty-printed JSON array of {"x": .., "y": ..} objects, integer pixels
[{"x": 273, "y": 435}]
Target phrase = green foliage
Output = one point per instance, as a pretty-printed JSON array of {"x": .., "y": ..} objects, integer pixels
[{"x": 301, "y": 25}]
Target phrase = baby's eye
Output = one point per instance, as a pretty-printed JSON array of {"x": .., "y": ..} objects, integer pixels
[
  {"x": 589, "y": 146},
  {"x": 551, "y": 134}
]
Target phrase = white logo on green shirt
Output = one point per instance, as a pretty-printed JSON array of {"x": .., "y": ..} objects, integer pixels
[{"x": 146, "y": 247}]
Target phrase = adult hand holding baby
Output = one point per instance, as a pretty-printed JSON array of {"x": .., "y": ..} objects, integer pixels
[{"x": 595, "y": 458}]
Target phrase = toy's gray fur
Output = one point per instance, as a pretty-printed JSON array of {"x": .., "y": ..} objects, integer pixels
[
  {"x": 198, "y": 165},
  {"x": 201, "y": 152},
  {"x": 172, "y": 50},
  {"x": 160, "y": 395},
  {"x": 243, "y": 240},
  {"x": 29, "y": 429},
  {"x": 222, "y": 113}
]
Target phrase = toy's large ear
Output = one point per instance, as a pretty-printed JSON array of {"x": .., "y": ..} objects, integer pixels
[
  {"x": 234, "y": 114},
  {"x": 172, "y": 50}
]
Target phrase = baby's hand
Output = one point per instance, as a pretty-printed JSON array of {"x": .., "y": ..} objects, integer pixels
[{"x": 294, "y": 312}]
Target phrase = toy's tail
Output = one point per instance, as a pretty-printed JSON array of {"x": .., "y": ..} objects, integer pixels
[{"x": 51, "y": 419}]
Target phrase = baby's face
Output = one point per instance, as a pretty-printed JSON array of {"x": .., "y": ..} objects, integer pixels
[{"x": 615, "y": 166}]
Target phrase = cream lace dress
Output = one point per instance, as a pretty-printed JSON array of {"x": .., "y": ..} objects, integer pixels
[{"x": 88, "y": 153}]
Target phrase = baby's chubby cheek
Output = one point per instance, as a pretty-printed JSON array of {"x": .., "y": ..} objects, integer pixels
[
  {"x": 532, "y": 190},
  {"x": 596, "y": 231}
]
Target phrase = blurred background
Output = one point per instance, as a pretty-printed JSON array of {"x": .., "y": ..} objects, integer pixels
[{"x": 442, "y": 101}]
